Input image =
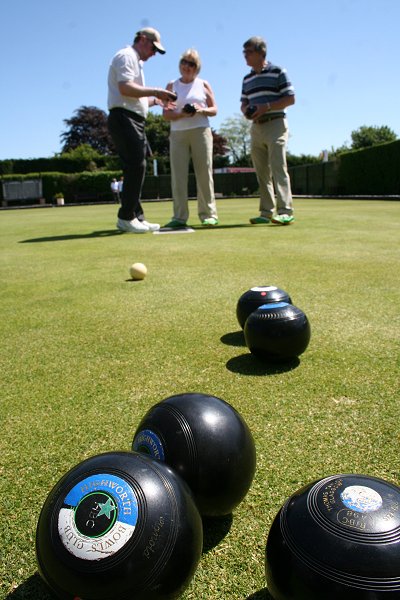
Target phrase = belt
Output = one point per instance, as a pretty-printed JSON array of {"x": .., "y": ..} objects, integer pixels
[
  {"x": 268, "y": 118},
  {"x": 129, "y": 113}
]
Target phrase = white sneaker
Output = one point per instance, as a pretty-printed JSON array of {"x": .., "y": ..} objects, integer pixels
[
  {"x": 134, "y": 226},
  {"x": 151, "y": 226}
]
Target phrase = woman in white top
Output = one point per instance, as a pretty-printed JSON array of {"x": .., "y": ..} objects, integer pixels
[{"x": 191, "y": 136}]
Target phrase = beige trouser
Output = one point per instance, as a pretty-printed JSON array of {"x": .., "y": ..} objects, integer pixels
[
  {"x": 197, "y": 143},
  {"x": 268, "y": 153}
]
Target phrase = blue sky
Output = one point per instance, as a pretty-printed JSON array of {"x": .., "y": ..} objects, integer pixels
[{"x": 341, "y": 55}]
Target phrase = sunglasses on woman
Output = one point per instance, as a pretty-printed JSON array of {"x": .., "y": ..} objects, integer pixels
[{"x": 188, "y": 63}]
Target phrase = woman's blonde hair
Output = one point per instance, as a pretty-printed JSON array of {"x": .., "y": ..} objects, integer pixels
[{"x": 192, "y": 55}]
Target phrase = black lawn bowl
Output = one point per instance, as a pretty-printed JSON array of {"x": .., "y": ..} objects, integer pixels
[
  {"x": 119, "y": 526},
  {"x": 336, "y": 538},
  {"x": 277, "y": 332},
  {"x": 250, "y": 111},
  {"x": 257, "y": 296},
  {"x": 189, "y": 109},
  {"x": 207, "y": 442}
]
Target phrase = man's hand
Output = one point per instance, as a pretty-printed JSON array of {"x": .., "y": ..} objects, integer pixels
[
  {"x": 255, "y": 112},
  {"x": 165, "y": 95}
]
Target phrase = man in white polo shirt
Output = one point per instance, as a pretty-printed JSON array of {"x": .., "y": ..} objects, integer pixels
[{"x": 128, "y": 103}]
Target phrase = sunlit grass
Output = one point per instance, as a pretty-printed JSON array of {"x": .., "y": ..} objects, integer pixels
[{"x": 85, "y": 352}]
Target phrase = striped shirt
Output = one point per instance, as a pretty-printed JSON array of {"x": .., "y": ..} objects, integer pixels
[{"x": 269, "y": 85}]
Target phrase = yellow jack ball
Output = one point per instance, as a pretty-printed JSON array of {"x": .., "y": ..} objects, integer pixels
[{"x": 138, "y": 271}]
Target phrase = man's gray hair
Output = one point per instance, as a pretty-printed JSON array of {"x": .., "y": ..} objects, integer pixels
[{"x": 258, "y": 44}]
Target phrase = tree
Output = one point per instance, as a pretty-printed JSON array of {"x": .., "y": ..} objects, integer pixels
[
  {"x": 84, "y": 153},
  {"x": 220, "y": 151},
  {"x": 220, "y": 144},
  {"x": 365, "y": 137},
  {"x": 87, "y": 126},
  {"x": 302, "y": 159},
  {"x": 335, "y": 152},
  {"x": 157, "y": 133},
  {"x": 236, "y": 131}
]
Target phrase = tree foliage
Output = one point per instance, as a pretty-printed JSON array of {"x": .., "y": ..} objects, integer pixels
[
  {"x": 365, "y": 137},
  {"x": 371, "y": 136},
  {"x": 87, "y": 126},
  {"x": 302, "y": 159},
  {"x": 87, "y": 133},
  {"x": 220, "y": 144},
  {"x": 157, "y": 133},
  {"x": 236, "y": 131},
  {"x": 82, "y": 152},
  {"x": 85, "y": 154}
]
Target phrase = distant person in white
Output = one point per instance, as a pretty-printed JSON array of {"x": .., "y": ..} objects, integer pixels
[{"x": 115, "y": 190}]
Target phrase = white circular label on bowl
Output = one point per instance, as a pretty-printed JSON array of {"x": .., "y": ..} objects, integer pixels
[
  {"x": 98, "y": 516},
  {"x": 361, "y": 499}
]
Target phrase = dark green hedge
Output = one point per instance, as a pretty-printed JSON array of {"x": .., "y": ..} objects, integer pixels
[
  {"x": 374, "y": 170},
  {"x": 315, "y": 179},
  {"x": 74, "y": 186},
  {"x": 56, "y": 164},
  {"x": 87, "y": 186},
  {"x": 371, "y": 171},
  {"x": 63, "y": 164}
]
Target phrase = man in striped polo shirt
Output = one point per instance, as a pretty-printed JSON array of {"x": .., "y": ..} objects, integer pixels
[{"x": 266, "y": 93}]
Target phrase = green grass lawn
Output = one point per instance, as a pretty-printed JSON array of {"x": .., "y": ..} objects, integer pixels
[{"x": 85, "y": 352}]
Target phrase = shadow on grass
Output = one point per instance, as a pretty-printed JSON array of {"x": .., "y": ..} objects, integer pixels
[
  {"x": 235, "y": 338},
  {"x": 270, "y": 227},
  {"x": 216, "y": 227},
  {"x": 32, "y": 589},
  {"x": 248, "y": 364},
  {"x": 214, "y": 530},
  {"x": 77, "y": 236},
  {"x": 112, "y": 232},
  {"x": 260, "y": 595},
  {"x": 133, "y": 280}
]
